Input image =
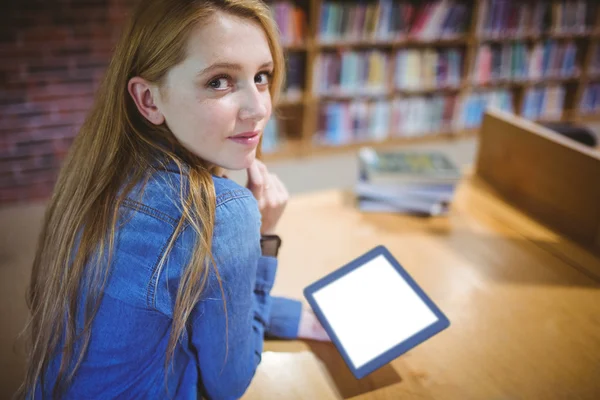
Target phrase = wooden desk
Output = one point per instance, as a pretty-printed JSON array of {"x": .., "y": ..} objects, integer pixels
[{"x": 524, "y": 303}]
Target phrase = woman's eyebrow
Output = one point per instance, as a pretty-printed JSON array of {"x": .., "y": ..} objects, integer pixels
[{"x": 231, "y": 66}]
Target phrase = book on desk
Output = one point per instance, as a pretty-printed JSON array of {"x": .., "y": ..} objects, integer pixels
[{"x": 414, "y": 182}]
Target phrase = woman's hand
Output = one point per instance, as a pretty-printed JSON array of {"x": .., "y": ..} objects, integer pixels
[
  {"x": 271, "y": 194},
  {"x": 311, "y": 328}
]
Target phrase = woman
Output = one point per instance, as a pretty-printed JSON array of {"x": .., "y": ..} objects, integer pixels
[{"x": 153, "y": 273}]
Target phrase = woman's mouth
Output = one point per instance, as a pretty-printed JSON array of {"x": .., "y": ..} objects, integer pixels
[{"x": 246, "y": 138}]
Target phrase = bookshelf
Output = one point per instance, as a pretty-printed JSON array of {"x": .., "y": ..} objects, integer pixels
[{"x": 360, "y": 72}]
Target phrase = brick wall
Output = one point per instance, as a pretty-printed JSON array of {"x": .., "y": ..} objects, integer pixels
[{"x": 52, "y": 56}]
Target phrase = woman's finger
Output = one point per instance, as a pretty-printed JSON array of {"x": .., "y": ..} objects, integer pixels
[
  {"x": 282, "y": 190},
  {"x": 279, "y": 188}
]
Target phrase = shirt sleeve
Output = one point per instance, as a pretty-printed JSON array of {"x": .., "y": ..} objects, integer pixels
[
  {"x": 285, "y": 318},
  {"x": 229, "y": 323}
]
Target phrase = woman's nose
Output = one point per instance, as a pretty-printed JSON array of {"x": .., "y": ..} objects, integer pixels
[{"x": 254, "y": 106}]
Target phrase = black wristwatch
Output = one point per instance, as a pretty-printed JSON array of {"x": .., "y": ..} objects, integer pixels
[{"x": 269, "y": 245}]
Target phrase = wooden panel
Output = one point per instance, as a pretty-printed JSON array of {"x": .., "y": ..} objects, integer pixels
[{"x": 549, "y": 176}]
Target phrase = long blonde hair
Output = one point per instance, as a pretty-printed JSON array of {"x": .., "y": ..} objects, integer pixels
[{"x": 115, "y": 149}]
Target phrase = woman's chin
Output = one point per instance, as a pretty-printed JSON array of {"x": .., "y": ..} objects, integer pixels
[{"x": 239, "y": 163}]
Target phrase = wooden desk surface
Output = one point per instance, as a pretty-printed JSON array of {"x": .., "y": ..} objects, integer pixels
[{"x": 524, "y": 303}]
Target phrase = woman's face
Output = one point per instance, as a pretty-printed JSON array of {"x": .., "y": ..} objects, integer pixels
[{"x": 217, "y": 102}]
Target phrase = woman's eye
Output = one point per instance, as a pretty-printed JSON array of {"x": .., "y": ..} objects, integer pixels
[
  {"x": 219, "y": 83},
  {"x": 262, "y": 78}
]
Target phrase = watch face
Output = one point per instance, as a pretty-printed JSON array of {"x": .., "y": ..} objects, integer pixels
[{"x": 270, "y": 244}]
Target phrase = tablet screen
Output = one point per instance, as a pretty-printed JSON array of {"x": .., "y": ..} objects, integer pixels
[{"x": 372, "y": 309}]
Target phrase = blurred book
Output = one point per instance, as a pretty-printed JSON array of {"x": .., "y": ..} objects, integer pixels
[
  {"x": 405, "y": 182},
  {"x": 470, "y": 111},
  {"x": 417, "y": 116},
  {"x": 590, "y": 101},
  {"x": 543, "y": 103},
  {"x": 386, "y": 20},
  {"x": 291, "y": 21},
  {"x": 355, "y": 121},
  {"x": 417, "y": 69},
  {"x": 271, "y": 140}
]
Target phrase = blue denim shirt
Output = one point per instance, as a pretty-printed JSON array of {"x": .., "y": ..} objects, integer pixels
[{"x": 217, "y": 358}]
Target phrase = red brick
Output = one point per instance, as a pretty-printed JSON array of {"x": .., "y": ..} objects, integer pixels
[{"x": 54, "y": 55}]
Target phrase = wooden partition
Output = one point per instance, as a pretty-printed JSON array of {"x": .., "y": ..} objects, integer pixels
[{"x": 551, "y": 177}]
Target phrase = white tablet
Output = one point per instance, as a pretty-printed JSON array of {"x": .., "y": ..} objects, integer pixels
[{"x": 374, "y": 311}]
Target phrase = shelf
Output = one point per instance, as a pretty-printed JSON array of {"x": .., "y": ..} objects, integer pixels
[
  {"x": 524, "y": 83},
  {"x": 359, "y": 43},
  {"x": 291, "y": 148},
  {"x": 388, "y": 95},
  {"x": 432, "y": 90},
  {"x": 394, "y": 43},
  {"x": 354, "y": 96},
  {"x": 532, "y": 37},
  {"x": 547, "y": 120},
  {"x": 286, "y": 102},
  {"x": 578, "y": 35},
  {"x": 295, "y": 47},
  {"x": 393, "y": 140},
  {"x": 449, "y": 41},
  {"x": 587, "y": 117}
]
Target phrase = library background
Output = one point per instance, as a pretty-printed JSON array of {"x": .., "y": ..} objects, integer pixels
[
  {"x": 391, "y": 72},
  {"x": 359, "y": 73}
]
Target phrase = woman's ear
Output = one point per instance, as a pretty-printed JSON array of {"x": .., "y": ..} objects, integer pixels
[{"x": 142, "y": 94}]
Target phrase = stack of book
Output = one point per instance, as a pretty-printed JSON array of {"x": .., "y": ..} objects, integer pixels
[{"x": 412, "y": 182}]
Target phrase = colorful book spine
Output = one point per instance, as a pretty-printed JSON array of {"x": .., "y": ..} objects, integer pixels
[
  {"x": 514, "y": 62},
  {"x": 271, "y": 140},
  {"x": 574, "y": 16},
  {"x": 294, "y": 83},
  {"x": 543, "y": 103},
  {"x": 341, "y": 123},
  {"x": 387, "y": 20},
  {"x": 513, "y": 18},
  {"x": 415, "y": 116},
  {"x": 469, "y": 112},
  {"x": 500, "y": 62},
  {"x": 590, "y": 101},
  {"x": 351, "y": 73},
  {"x": 291, "y": 21},
  {"x": 417, "y": 69}
]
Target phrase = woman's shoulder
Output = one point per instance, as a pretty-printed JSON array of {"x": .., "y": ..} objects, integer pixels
[
  {"x": 227, "y": 190},
  {"x": 150, "y": 216},
  {"x": 162, "y": 193}
]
